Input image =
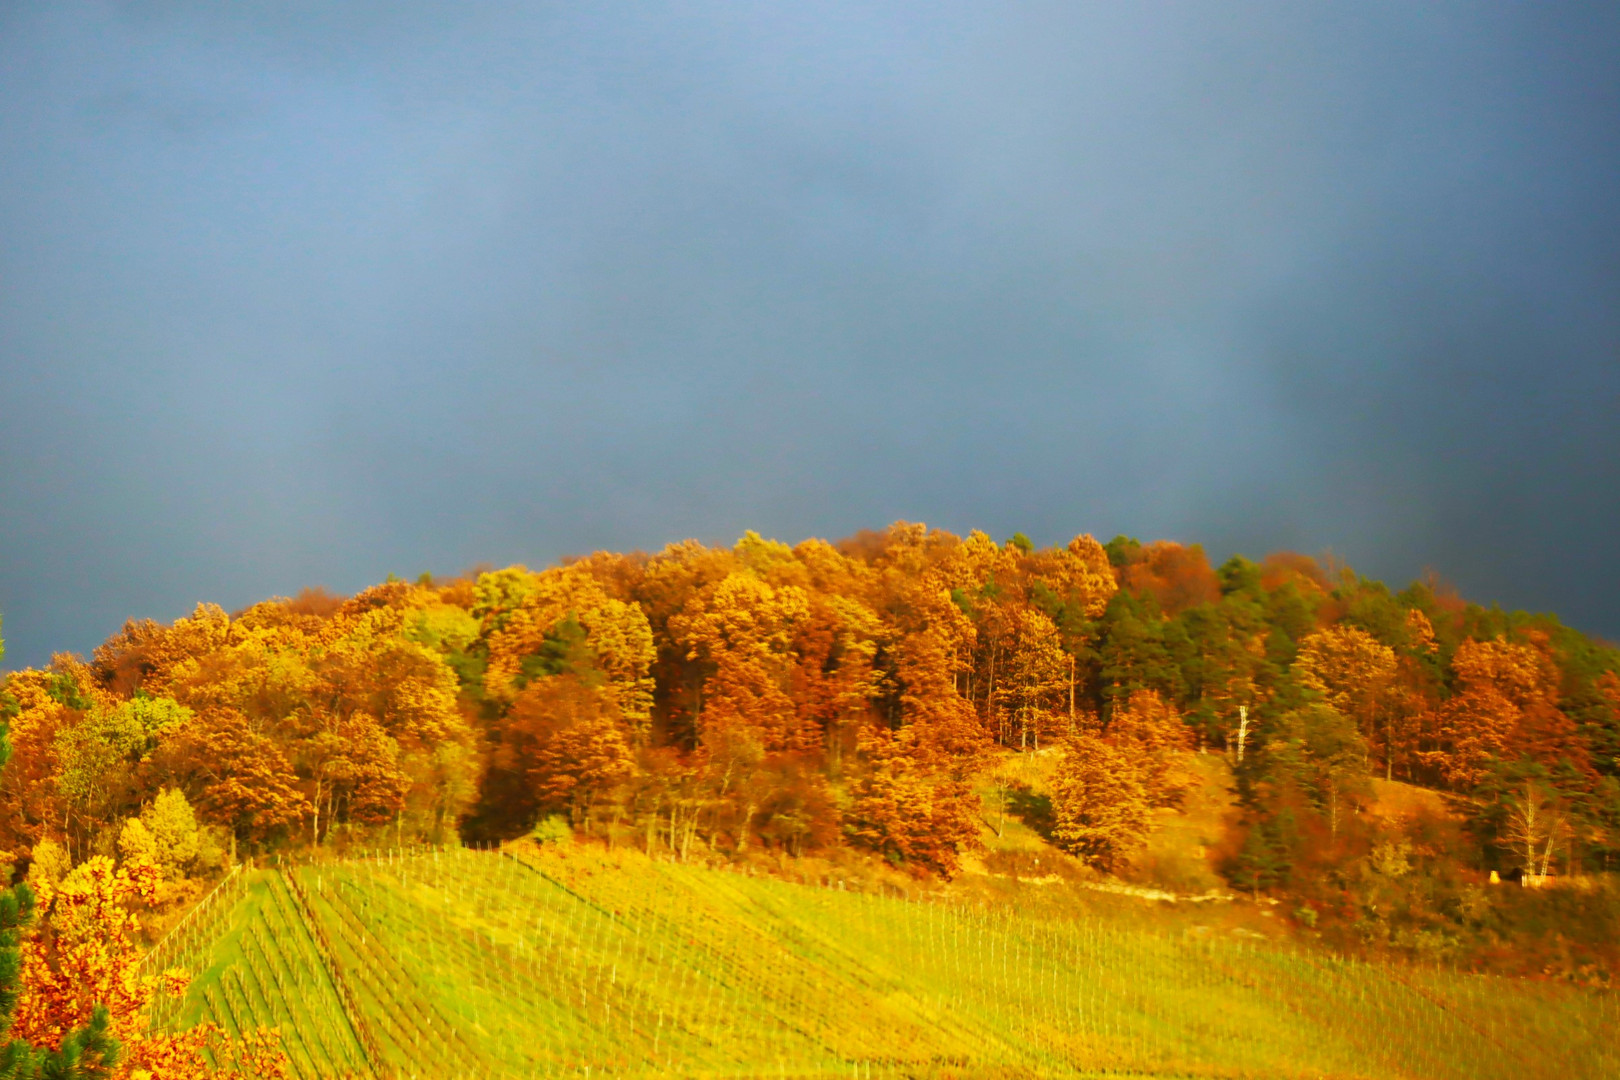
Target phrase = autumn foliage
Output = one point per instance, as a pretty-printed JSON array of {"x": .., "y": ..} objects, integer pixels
[
  {"x": 83, "y": 957},
  {"x": 716, "y": 701}
]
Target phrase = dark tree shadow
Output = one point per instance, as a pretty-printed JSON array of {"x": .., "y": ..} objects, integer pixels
[{"x": 1032, "y": 809}]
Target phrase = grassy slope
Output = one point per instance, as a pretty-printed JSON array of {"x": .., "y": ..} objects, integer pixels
[{"x": 543, "y": 963}]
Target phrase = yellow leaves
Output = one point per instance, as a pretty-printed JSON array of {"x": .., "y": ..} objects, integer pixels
[
  {"x": 499, "y": 593},
  {"x": 442, "y": 627},
  {"x": 51, "y": 863},
  {"x": 1420, "y": 632},
  {"x": 84, "y": 954},
  {"x": 1037, "y": 666},
  {"x": 617, "y": 635},
  {"x": 983, "y": 559},
  {"x": 1519, "y": 672},
  {"x": 1099, "y": 802},
  {"x": 677, "y": 572},
  {"x": 410, "y": 691},
  {"x": 623, "y": 642},
  {"x": 135, "y": 842},
  {"x": 744, "y": 628},
  {"x": 1347, "y": 666},
  {"x": 740, "y": 616},
  {"x": 1090, "y": 574},
  {"x": 772, "y": 560},
  {"x": 857, "y": 633},
  {"x": 829, "y": 571}
]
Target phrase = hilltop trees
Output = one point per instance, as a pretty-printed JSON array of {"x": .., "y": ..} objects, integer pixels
[{"x": 705, "y": 701}]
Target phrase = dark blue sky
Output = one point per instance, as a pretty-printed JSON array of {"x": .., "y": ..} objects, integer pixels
[{"x": 299, "y": 294}]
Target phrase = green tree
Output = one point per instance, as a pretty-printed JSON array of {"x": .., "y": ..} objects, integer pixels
[
  {"x": 1320, "y": 752},
  {"x": 1266, "y": 858},
  {"x": 1132, "y": 654}
]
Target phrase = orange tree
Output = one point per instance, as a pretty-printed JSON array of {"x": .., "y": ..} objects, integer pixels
[
  {"x": 72, "y": 983},
  {"x": 85, "y": 1053}
]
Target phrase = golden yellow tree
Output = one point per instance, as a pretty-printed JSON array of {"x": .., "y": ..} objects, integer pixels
[
  {"x": 82, "y": 956},
  {"x": 742, "y": 629},
  {"x": 1352, "y": 670},
  {"x": 1099, "y": 802},
  {"x": 1153, "y": 737},
  {"x": 531, "y": 621}
]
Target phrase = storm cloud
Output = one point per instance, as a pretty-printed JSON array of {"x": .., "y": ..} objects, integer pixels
[{"x": 296, "y": 295}]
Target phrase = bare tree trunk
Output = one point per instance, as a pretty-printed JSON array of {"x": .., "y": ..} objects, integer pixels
[
  {"x": 315, "y": 823},
  {"x": 686, "y": 841},
  {"x": 1389, "y": 748},
  {"x": 749, "y": 809},
  {"x": 1546, "y": 855},
  {"x": 990, "y": 697},
  {"x": 1071, "y": 693}
]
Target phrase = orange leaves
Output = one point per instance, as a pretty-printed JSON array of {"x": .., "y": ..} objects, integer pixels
[
  {"x": 835, "y": 678},
  {"x": 1105, "y": 787},
  {"x": 1100, "y": 802},
  {"x": 1149, "y": 723},
  {"x": 911, "y": 816},
  {"x": 1079, "y": 572},
  {"x": 1505, "y": 705},
  {"x": 82, "y": 956},
  {"x": 246, "y": 779},
  {"x": 1177, "y": 577},
  {"x": 1475, "y": 726},
  {"x": 1152, "y": 735},
  {"x": 1419, "y": 632},
  {"x": 1348, "y": 667},
  {"x": 566, "y": 740},
  {"x": 1520, "y": 673},
  {"x": 743, "y": 629},
  {"x": 525, "y": 612}
]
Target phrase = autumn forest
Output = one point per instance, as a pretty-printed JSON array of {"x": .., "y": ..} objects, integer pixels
[{"x": 847, "y": 700}]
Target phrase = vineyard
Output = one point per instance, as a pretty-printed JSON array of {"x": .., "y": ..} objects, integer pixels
[{"x": 490, "y": 964}]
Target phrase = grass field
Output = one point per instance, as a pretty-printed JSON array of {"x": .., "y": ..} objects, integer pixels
[{"x": 470, "y": 963}]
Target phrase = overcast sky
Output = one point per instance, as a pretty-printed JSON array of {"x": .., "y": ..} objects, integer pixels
[{"x": 298, "y": 294}]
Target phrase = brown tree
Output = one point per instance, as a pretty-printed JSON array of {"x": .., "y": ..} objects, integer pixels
[
  {"x": 1100, "y": 803},
  {"x": 569, "y": 743}
]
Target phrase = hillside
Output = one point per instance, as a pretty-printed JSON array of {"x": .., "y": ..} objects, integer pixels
[
  {"x": 528, "y": 961},
  {"x": 1117, "y": 786}
]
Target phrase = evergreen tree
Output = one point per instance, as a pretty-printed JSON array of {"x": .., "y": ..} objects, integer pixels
[{"x": 1266, "y": 858}]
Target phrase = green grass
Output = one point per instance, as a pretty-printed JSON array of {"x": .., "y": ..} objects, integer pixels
[{"x": 468, "y": 963}]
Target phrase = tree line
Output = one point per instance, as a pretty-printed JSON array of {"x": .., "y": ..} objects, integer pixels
[{"x": 722, "y": 699}]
